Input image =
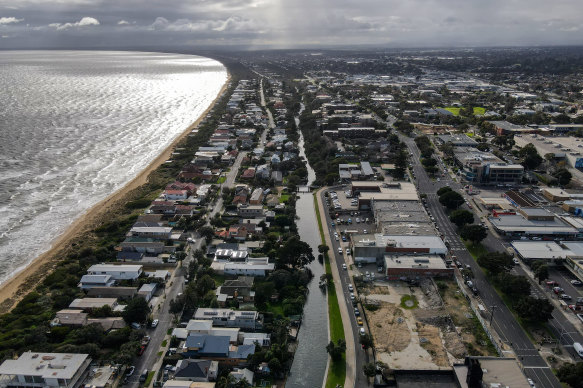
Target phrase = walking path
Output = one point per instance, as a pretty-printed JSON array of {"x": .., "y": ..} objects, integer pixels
[{"x": 350, "y": 355}]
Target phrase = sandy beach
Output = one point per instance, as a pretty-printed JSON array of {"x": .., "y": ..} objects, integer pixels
[{"x": 24, "y": 281}]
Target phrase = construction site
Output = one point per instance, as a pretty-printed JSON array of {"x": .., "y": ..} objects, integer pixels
[{"x": 429, "y": 326}]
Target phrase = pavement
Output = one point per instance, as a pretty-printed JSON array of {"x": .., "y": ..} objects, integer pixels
[
  {"x": 503, "y": 321},
  {"x": 356, "y": 357}
]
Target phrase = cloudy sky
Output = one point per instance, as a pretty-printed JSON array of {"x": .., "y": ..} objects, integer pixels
[{"x": 288, "y": 23}]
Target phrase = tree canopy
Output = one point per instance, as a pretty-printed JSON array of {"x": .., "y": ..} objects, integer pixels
[
  {"x": 136, "y": 310},
  {"x": 451, "y": 199},
  {"x": 474, "y": 233},
  {"x": 534, "y": 309},
  {"x": 496, "y": 262},
  {"x": 461, "y": 217}
]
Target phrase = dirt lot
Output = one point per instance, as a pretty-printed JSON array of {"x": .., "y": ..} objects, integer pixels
[
  {"x": 423, "y": 337},
  {"x": 467, "y": 325}
]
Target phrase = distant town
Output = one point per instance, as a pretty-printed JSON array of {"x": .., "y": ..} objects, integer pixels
[{"x": 446, "y": 189}]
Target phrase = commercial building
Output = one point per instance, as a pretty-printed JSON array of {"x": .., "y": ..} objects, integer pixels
[
  {"x": 369, "y": 248},
  {"x": 415, "y": 266},
  {"x": 490, "y": 372},
  {"x": 505, "y": 128},
  {"x": 457, "y": 140},
  {"x": 372, "y": 192},
  {"x": 402, "y": 218},
  {"x": 517, "y": 225},
  {"x": 33, "y": 369},
  {"x": 568, "y": 148},
  {"x": 484, "y": 167},
  {"x": 548, "y": 251},
  {"x": 117, "y": 272}
]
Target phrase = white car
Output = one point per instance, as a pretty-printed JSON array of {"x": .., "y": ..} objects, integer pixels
[
  {"x": 531, "y": 383},
  {"x": 155, "y": 323},
  {"x": 350, "y": 288},
  {"x": 340, "y": 250},
  {"x": 344, "y": 267}
]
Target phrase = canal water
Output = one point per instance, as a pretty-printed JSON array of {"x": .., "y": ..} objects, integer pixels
[{"x": 309, "y": 365}]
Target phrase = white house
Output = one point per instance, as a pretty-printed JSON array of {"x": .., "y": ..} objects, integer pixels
[
  {"x": 90, "y": 281},
  {"x": 33, "y": 369},
  {"x": 158, "y": 232},
  {"x": 117, "y": 272},
  {"x": 147, "y": 291}
]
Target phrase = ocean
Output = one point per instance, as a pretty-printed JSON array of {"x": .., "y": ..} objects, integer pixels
[{"x": 75, "y": 126}]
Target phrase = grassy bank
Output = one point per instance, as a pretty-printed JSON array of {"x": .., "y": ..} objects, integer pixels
[{"x": 337, "y": 370}]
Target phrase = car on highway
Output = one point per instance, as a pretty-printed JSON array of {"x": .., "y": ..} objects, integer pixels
[
  {"x": 359, "y": 321},
  {"x": 557, "y": 290},
  {"x": 344, "y": 266},
  {"x": 332, "y": 223},
  {"x": 565, "y": 297},
  {"x": 551, "y": 283},
  {"x": 576, "y": 282},
  {"x": 155, "y": 323},
  {"x": 340, "y": 250},
  {"x": 130, "y": 371}
]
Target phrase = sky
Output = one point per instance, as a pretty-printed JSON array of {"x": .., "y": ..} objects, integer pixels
[{"x": 259, "y": 24}]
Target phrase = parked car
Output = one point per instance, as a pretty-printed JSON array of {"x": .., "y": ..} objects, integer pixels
[
  {"x": 356, "y": 312},
  {"x": 155, "y": 323},
  {"x": 350, "y": 288},
  {"x": 557, "y": 290},
  {"x": 576, "y": 283},
  {"x": 565, "y": 297},
  {"x": 344, "y": 267},
  {"x": 130, "y": 371},
  {"x": 340, "y": 250},
  {"x": 359, "y": 321},
  {"x": 551, "y": 283},
  {"x": 361, "y": 331}
]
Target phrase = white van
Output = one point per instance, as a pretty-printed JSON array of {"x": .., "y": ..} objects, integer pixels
[{"x": 578, "y": 348}]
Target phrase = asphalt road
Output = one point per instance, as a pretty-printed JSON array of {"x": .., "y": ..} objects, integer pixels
[
  {"x": 362, "y": 356},
  {"x": 502, "y": 320}
]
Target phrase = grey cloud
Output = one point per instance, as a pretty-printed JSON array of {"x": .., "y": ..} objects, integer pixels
[
  {"x": 285, "y": 23},
  {"x": 9, "y": 20}
]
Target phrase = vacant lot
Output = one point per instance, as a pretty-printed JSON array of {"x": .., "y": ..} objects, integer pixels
[{"x": 421, "y": 337}]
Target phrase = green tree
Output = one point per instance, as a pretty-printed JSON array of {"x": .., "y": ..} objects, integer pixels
[
  {"x": 443, "y": 190},
  {"x": 295, "y": 253},
  {"x": 534, "y": 309},
  {"x": 322, "y": 248},
  {"x": 571, "y": 374},
  {"x": 207, "y": 232},
  {"x": 563, "y": 176},
  {"x": 451, "y": 199},
  {"x": 474, "y": 233},
  {"x": 369, "y": 369},
  {"x": 496, "y": 262},
  {"x": 336, "y": 350},
  {"x": 137, "y": 310},
  {"x": 541, "y": 271},
  {"x": 513, "y": 285},
  {"x": 461, "y": 217}
]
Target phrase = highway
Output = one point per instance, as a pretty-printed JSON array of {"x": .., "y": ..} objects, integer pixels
[{"x": 502, "y": 320}]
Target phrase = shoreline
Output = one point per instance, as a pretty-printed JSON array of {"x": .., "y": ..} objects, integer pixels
[{"x": 18, "y": 285}]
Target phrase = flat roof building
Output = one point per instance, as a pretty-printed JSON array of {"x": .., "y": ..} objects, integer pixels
[
  {"x": 490, "y": 372},
  {"x": 484, "y": 167},
  {"x": 117, "y": 272},
  {"x": 549, "y": 251},
  {"x": 517, "y": 225},
  {"x": 369, "y": 248},
  {"x": 399, "y": 266},
  {"x": 457, "y": 140},
  {"x": 34, "y": 369}
]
